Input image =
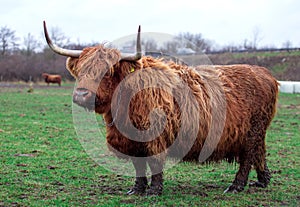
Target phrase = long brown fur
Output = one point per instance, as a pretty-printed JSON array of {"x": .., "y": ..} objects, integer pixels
[{"x": 250, "y": 94}]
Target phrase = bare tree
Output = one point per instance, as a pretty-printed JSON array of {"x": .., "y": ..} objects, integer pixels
[
  {"x": 150, "y": 45},
  {"x": 58, "y": 37},
  {"x": 170, "y": 47},
  {"x": 187, "y": 40},
  {"x": 193, "y": 41},
  {"x": 30, "y": 44},
  {"x": 257, "y": 37},
  {"x": 288, "y": 44},
  {"x": 8, "y": 40},
  {"x": 247, "y": 45}
]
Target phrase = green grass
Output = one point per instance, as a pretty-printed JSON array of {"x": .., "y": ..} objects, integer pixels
[{"x": 42, "y": 162}]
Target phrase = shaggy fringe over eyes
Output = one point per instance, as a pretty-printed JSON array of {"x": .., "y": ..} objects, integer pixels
[
  {"x": 94, "y": 62},
  {"x": 99, "y": 60}
]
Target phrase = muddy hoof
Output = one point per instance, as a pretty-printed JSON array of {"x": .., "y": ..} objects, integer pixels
[
  {"x": 234, "y": 189},
  {"x": 139, "y": 187},
  {"x": 134, "y": 191},
  {"x": 257, "y": 184}
]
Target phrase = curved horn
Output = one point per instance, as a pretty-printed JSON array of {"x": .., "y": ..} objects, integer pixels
[
  {"x": 59, "y": 50},
  {"x": 138, "y": 54}
]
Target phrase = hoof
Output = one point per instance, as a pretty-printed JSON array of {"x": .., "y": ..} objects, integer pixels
[
  {"x": 234, "y": 189},
  {"x": 135, "y": 192},
  {"x": 258, "y": 184},
  {"x": 140, "y": 187}
]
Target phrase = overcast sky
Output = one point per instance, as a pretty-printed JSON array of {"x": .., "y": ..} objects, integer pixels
[{"x": 222, "y": 21}]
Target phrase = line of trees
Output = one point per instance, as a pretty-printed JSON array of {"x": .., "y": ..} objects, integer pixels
[{"x": 27, "y": 61}]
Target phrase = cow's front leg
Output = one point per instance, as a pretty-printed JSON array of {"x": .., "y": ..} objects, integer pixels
[
  {"x": 140, "y": 185},
  {"x": 156, "y": 166}
]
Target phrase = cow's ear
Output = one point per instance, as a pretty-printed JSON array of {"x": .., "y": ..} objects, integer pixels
[
  {"x": 71, "y": 66},
  {"x": 126, "y": 67}
]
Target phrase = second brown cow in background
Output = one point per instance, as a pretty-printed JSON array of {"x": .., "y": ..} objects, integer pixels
[{"x": 52, "y": 78}]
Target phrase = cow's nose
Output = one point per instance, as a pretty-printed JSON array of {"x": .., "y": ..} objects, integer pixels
[
  {"x": 81, "y": 92},
  {"x": 83, "y": 96}
]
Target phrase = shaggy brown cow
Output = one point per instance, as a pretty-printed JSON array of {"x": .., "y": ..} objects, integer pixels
[
  {"x": 52, "y": 78},
  {"x": 246, "y": 95}
]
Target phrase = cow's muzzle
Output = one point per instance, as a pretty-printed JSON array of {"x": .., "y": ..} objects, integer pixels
[{"x": 85, "y": 98}]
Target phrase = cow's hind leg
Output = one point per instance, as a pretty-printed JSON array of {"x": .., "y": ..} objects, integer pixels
[
  {"x": 260, "y": 164},
  {"x": 263, "y": 173},
  {"x": 253, "y": 153},
  {"x": 140, "y": 185},
  {"x": 241, "y": 177},
  {"x": 246, "y": 160},
  {"x": 263, "y": 177}
]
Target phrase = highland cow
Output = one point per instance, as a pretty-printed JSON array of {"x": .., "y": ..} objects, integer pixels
[
  {"x": 241, "y": 97},
  {"x": 52, "y": 78}
]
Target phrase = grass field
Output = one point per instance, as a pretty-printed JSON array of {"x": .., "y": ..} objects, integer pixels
[{"x": 42, "y": 162}]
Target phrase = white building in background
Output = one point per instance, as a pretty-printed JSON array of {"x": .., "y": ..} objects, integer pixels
[
  {"x": 185, "y": 51},
  {"x": 289, "y": 86}
]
